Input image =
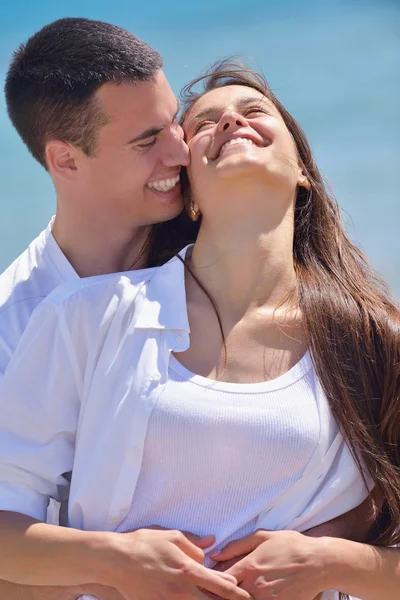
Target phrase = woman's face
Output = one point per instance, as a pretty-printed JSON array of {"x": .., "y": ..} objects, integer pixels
[{"x": 236, "y": 136}]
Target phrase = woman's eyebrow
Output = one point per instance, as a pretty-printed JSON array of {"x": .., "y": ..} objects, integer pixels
[{"x": 215, "y": 109}]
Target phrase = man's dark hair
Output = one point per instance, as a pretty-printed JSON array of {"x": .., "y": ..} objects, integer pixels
[{"x": 52, "y": 79}]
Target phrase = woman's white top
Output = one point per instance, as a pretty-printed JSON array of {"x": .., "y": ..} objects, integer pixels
[
  {"x": 217, "y": 455},
  {"x": 84, "y": 393}
]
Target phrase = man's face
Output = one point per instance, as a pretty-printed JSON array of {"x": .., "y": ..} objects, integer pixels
[{"x": 132, "y": 178}]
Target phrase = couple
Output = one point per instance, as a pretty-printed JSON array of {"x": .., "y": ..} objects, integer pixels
[{"x": 192, "y": 409}]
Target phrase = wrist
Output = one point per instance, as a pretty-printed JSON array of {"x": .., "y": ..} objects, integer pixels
[
  {"x": 344, "y": 563},
  {"x": 322, "y": 562},
  {"x": 100, "y": 555},
  {"x": 111, "y": 558}
]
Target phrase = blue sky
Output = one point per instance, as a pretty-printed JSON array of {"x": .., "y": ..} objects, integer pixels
[{"x": 334, "y": 64}]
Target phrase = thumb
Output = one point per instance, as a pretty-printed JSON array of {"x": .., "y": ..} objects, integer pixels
[{"x": 240, "y": 547}]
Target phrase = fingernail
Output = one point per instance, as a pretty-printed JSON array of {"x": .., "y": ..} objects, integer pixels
[{"x": 215, "y": 554}]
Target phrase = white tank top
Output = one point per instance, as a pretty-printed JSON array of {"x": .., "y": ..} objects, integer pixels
[{"x": 218, "y": 454}]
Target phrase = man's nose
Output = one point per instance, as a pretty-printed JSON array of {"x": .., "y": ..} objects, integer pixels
[
  {"x": 177, "y": 151},
  {"x": 230, "y": 121}
]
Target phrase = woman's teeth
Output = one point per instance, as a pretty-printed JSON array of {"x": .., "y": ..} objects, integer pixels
[
  {"x": 236, "y": 141},
  {"x": 163, "y": 185}
]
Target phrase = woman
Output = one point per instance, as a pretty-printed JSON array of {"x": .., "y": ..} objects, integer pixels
[{"x": 290, "y": 339}]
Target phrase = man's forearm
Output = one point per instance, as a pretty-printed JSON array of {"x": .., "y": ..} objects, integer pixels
[
  {"x": 14, "y": 591},
  {"x": 363, "y": 571}
]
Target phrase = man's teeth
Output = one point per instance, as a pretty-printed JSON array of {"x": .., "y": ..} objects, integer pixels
[
  {"x": 163, "y": 185},
  {"x": 236, "y": 141}
]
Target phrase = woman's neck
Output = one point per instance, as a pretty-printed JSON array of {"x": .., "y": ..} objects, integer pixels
[{"x": 244, "y": 263}]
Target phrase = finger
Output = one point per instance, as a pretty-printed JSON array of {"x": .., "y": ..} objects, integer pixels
[
  {"x": 239, "y": 570},
  {"x": 224, "y": 565},
  {"x": 213, "y": 582},
  {"x": 238, "y": 547},
  {"x": 188, "y": 547},
  {"x": 202, "y": 541},
  {"x": 228, "y": 577}
]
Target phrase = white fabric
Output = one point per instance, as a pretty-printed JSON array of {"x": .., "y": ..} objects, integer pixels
[
  {"x": 23, "y": 285},
  {"x": 79, "y": 391},
  {"x": 26, "y": 282},
  {"x": 217, "y": 455}
]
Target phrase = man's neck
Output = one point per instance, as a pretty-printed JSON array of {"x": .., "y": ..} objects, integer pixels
[{"x": 98, "y": 250}]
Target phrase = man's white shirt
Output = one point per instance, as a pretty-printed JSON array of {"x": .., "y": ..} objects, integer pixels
[
  {"x": 63, "y": 396},
  {"x": 26, "y": 282},
  {"x": 80, "y": 389},
  {"x": 23, "y": 285}
]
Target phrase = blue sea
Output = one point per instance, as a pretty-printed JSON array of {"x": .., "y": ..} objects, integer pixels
[{"x": 333, "y": 63}]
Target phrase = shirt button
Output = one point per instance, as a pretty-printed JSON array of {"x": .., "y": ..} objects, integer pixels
[
  {"x": 115, "y": 519},
  {"x": 156, "y": 376}
]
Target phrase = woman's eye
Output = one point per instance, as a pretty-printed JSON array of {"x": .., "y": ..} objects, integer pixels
[
  {"x": 201, "y": 126},
  {"x": 254, "y": 111}
]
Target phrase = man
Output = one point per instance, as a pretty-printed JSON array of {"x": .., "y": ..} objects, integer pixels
[{"x": 93, "y": 106}]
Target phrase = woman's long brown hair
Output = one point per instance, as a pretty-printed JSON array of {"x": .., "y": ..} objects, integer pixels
[{"x": 352, "y": 321}]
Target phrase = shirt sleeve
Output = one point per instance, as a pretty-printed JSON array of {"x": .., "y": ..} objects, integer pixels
[{"x": 39, "y": 408}]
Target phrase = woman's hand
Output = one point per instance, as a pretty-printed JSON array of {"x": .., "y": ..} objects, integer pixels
[
  {"x": 149, "y": 564},
  {"x": 277, "y": 565}
]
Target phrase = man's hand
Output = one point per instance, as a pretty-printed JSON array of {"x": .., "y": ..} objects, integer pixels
[
  {"x": 149, "y": 564},
  {"x": 279, "y": 565}
]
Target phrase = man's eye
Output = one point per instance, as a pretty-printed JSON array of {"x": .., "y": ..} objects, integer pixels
[{"x": 149, "y": 145}]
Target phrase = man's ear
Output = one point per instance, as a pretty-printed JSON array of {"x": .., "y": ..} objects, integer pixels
[{"x": 61, "y": 159}]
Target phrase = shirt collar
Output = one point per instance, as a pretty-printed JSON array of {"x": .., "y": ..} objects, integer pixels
[{"x": 164, "y": 302}]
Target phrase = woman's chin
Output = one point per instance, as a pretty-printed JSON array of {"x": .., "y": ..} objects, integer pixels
[{"x": 236, "y": 164}]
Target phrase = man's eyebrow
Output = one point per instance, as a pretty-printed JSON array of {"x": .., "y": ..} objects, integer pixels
[
  {"x": 151, "y": 131},
  {"x": 241, "y": 102},
  {"x": 146, "y": 134}
]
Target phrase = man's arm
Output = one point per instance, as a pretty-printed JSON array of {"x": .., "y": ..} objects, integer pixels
[
  {"x": 363, "y": 571},
  {"x": 13, "y": 591}
]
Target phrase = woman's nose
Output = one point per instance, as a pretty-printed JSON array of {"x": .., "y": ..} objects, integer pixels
[{"x": 230, "y": 121}]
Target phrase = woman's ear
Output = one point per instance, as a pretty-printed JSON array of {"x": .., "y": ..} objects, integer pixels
[{"x": 303, "y": 181}]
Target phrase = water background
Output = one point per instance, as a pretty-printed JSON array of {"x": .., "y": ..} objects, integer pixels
[{"x": 333, "y": 63}]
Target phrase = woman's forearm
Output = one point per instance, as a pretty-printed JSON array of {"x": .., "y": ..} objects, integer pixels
[
  {"x": 37, "y": 554},
  {"x": 361, "y": 570}
]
